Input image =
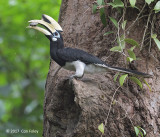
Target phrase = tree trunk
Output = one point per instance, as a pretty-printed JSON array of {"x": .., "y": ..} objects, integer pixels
[{"x": 76, "y": 109}]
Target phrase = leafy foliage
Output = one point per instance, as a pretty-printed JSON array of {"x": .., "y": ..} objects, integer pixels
[
  {"x": 137, "y": 81},
  {"x": 114, "y": 21},
  {"x": 100, "y": 5},
  {"x": 147, "y": 85},
  {"x": 116, "y": 76},
  {"x": 101, "y": 128},
  {"x": 116, "y": 49},
  {"x": 107, "y": 33},
  {"x": 138, "y": 130},
  {"x": 100, "y": 2},
  {"x": 154, "y": 36},
  {"x": 122, "y": 79},
  {"x": 157, "y": 7},
  {"x": 117, "y": 4},
  {"x": 94, "y": 8},
  {"x": 131, "y": 41},
  {"x": 131, "y": 54},
  {"x": 149, "y": 1},
  {"x": 132, "y": 2},
  {"x": 23, "y": 64},
  {"x": 122, "y": 40},
  {"x": 124, "y": 24},
  {"x": 103, "y": 16}
]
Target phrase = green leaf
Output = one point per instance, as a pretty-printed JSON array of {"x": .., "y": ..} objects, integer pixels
[
  {"x": 103, "y": 16},
  {"x": 99, "y": 2},
  {"x": 116, "y": 49},
  {"x": 101, "y": 128},
  {"x": 157, "y": 42},
  {"x": 116, "y": 76},
  {"x": 129, "y": 59},
  {"x": 122, "y": 79},
  {"x": 103, "y": 3},
  {"x": 94, "y": 8},
  {"x": 132, "y": 48},
  {"x": 141, "y": 133},
  {"x": 132, "y": 42},
  {"x": 147, "y": 85},
  {"x": 117, "y": 3},
  {"x": 144, "y": 132},
  {"x": 157, "y": 7},
  {"x": 107, "y": 33},
  {"x": 131, "y": 54},
  {"x": 149, "y": 1},
  {"x": 124, "y": 24},
  {"x": 136, "y": 131},
  {"x": 137, "y": 81},
  {"x": 114, "y": 21},
  {"x": 154, "y": 36},
  {"x": 132, "y": 2}
]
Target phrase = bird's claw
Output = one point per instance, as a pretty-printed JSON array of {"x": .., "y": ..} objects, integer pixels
[{"x": 70, "y": 80}]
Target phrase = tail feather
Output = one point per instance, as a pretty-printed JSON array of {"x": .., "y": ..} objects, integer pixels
[
  {"x": 125, "y": 70},
  {"x": 130, "y": 71}
]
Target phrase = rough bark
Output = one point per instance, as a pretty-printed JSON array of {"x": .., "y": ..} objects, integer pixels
[{"x": 76, "y": 109}]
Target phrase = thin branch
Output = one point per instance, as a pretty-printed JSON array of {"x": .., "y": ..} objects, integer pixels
[
  {"x": 136, "y": 18},
  {"x": 146, "y": 28},
  {"x": 124, "y": 13},
  {"x": 152, "y": 27},
  {"x": 126, "y": 114},
  {"x": 105, "y": 123},
  {"x": 142, "y": 17},
  {"x": 119, "y": 30}
]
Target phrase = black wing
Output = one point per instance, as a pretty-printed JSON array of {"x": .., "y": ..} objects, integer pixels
[{"x": 70, "y": 54}]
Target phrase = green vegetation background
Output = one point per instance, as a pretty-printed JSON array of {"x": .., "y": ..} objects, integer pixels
[{"x": 24, "y": 64}]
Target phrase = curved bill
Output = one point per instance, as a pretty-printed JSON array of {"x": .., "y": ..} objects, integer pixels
[
  {"x": 50, "y": 20},
  {"x": 46, "y": 32},
  {"x": 48, "y": 26}
]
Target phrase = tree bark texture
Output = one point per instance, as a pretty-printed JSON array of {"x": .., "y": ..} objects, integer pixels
[{"x": 76, "y": 109}]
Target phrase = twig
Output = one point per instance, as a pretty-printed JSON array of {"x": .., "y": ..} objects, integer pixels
[
  {"x": 105, "y": 123},
  {"x": 152, "y": 27},
  {"x": 117, "y": 35},
  {"x": 146, "y": 27},
  {"x": 119, "y": 39},
  {"x": 142, "y": 17},
  {"x": 150, "y": 38},
  {"x": 126, "y": 114},
  {"x": 84, "y": 13},
  {"x": 109, "y": 55},
  {"x": 124, "y": 13},
  {"x": 136, "y": 18},
  {"x": 147, "y": 38},
  {"x": 154, "y": 58},
  {"x": 119, "y": 30}
]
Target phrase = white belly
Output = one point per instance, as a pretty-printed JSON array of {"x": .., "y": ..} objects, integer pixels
[{"x": 91, "y": 68}]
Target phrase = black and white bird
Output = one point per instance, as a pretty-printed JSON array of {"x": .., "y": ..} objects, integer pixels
[{"x": 70, "y": 58}]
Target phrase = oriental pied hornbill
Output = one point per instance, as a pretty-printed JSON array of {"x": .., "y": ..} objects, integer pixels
[{"x": 70, "y": 58}]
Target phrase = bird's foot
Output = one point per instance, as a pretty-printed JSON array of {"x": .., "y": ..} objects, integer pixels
[{"x": 70, "y": 79}]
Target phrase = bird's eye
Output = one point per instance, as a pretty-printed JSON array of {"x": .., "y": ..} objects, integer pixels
[{"x": 56, "y": 33}]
